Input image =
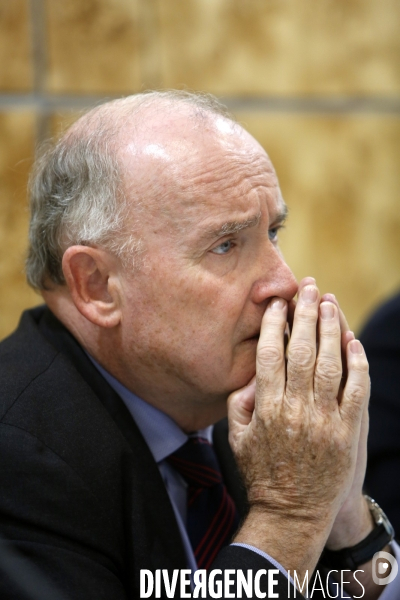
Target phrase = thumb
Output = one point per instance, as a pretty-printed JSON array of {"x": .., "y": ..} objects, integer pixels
[{"x": 241, "y": 407}]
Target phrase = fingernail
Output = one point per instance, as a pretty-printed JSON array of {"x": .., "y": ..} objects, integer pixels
[
  {"x": 309, "y": 294},
  {"x": 356, "y": 347},
  {"x": 327, "y": 311},
  {"x": 329, "y": 298},
  {"x": 277, "y": 304}
]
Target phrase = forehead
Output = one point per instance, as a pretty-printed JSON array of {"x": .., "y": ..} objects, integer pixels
[
  {"x": 192, "y": 173},
  {"x": 226, "y": 189}
]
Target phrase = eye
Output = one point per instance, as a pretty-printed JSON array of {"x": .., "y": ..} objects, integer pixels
[
  {"x": 223, "y": 248},
  {"x": 273, "y": 233}
]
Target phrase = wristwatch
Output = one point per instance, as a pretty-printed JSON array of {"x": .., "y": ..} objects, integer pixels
[{"x": 352, "y": 558}]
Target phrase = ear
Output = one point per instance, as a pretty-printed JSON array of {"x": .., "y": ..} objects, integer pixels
[{"x": 91, "y": 276}]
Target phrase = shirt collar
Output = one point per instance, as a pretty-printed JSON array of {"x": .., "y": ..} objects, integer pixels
[{"x": 162, "y": 434}]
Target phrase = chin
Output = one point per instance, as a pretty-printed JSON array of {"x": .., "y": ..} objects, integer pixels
[{"x": 243, "y": 376}]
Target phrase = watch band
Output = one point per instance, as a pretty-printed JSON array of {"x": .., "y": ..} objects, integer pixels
[{"x": 352, "y": 558}]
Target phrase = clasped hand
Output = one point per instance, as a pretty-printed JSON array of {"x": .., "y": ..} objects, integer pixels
[{"x": 299, "y": 429}]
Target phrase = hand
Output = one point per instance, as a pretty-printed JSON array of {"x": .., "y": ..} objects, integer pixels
[
  {"x": 295, "y": 433},
  {"x": 353, "y": 522}
]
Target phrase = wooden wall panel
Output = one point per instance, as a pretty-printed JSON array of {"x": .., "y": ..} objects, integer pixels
[
  {"x": 16, "y": 67},
  {"x": 340, "y": 174},
  {"x": 340, "y": 177},
  {"x": 16, "y": 151},
  {"x": 93, "y": 46},
  {"x": 281, "y": 47}
]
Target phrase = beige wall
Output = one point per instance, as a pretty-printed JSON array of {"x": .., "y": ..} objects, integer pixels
[{"x": 317, "y": 82}]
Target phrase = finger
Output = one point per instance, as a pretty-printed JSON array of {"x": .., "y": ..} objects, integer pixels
[
  {"x": 347, "y": 337},
  {"x": 344, "y": 326},
  {"x": 343, "y": 321},
  {"x": 361, "y": 463},
  {"x": 240, "y": 408},
  {"x": 357, "y": 388},
  {"x": 302, "y": 346},
  {"x": 347, "y": 334},
  {"x": 292, "y": 303},
  {"x": 328, "y": 369},
  {"x": 305, "y": 281},
  {"x": 290, "y": 315},
  {"x": 270, "y": 361}
]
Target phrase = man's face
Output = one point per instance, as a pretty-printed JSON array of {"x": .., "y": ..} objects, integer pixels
[{"x": 192, "y": 313}]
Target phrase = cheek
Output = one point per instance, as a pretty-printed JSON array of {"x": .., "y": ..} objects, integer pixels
[
  {"x": 191, "y": 333},
  {"x": 211, "y": 306},
  {"x": 192, "y": 313}
]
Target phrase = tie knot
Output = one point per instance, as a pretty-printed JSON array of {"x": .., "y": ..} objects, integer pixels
[{"x": 197, "y": 463}]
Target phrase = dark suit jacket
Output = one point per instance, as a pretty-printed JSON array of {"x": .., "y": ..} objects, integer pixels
[
  {"x": 381, "y": 339},
  {"x": 80, "y": 494}
]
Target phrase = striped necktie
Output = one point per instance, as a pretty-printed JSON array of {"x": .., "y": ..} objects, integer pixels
[{"x": 211, "y": 514}]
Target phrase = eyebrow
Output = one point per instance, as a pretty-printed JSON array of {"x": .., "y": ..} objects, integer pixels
[
  {"x": 282, "y": 215},
  {"x": 236, "y": 226}
]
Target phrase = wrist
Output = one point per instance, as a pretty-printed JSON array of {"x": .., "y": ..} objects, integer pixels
[
  {"x": 296, "y": 543},
  {"x": 361, "y": 553},
  {"x": 352, "y": 525}
]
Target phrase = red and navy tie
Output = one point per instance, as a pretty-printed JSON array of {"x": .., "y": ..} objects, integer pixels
[{"x": 211, "y": 517}]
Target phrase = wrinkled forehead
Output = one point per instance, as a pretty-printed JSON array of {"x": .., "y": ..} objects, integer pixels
[{"x": 178, "y": 167}]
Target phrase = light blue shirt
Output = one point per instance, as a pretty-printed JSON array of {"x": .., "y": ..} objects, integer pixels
[{"x": 163, "y": 437}]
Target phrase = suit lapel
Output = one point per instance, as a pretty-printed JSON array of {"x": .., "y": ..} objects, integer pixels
[
  {"x": 150, "y": 511},
  {"x": 153, "y": 520}
]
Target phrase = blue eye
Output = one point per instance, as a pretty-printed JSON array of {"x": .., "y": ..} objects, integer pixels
[
  {"x": 223, "y": 248},
  {"x": 273, "y": 234}
]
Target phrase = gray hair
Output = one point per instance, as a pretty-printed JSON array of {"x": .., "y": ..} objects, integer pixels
[{"x": 76, "y": 191}]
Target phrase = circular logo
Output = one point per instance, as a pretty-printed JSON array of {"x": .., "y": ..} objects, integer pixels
[{"x": 384, "y": 568}]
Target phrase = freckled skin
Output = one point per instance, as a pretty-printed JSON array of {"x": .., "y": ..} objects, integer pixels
[{"x": 188, "y": 313}]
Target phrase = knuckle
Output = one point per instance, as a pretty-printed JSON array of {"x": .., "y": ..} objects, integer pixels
[
  {"x": 353, "y": 413},
  {"x": 331, "y": 332},
  {"x": 274, "y": 317},
  {"x": 306, "y": 314},
  {"x": 295, "y": 419},
  {"x": 301, "y": 355},
  {"x": 269, "y": 355},
  {"x": 357, "y": 391},
  {"x": 361, "y": 366},
  {"x": 328, "y": 370}
]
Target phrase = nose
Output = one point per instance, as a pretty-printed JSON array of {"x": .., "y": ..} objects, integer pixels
[{"x": 276, "y": 279}]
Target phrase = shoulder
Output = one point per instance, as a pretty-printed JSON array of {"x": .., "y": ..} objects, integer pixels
[
  {"x": 24, "y": 355},
  {"x": 45, "y": 398}
]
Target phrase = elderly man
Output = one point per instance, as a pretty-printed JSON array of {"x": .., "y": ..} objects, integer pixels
[{"x": 154, "y": 243}]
